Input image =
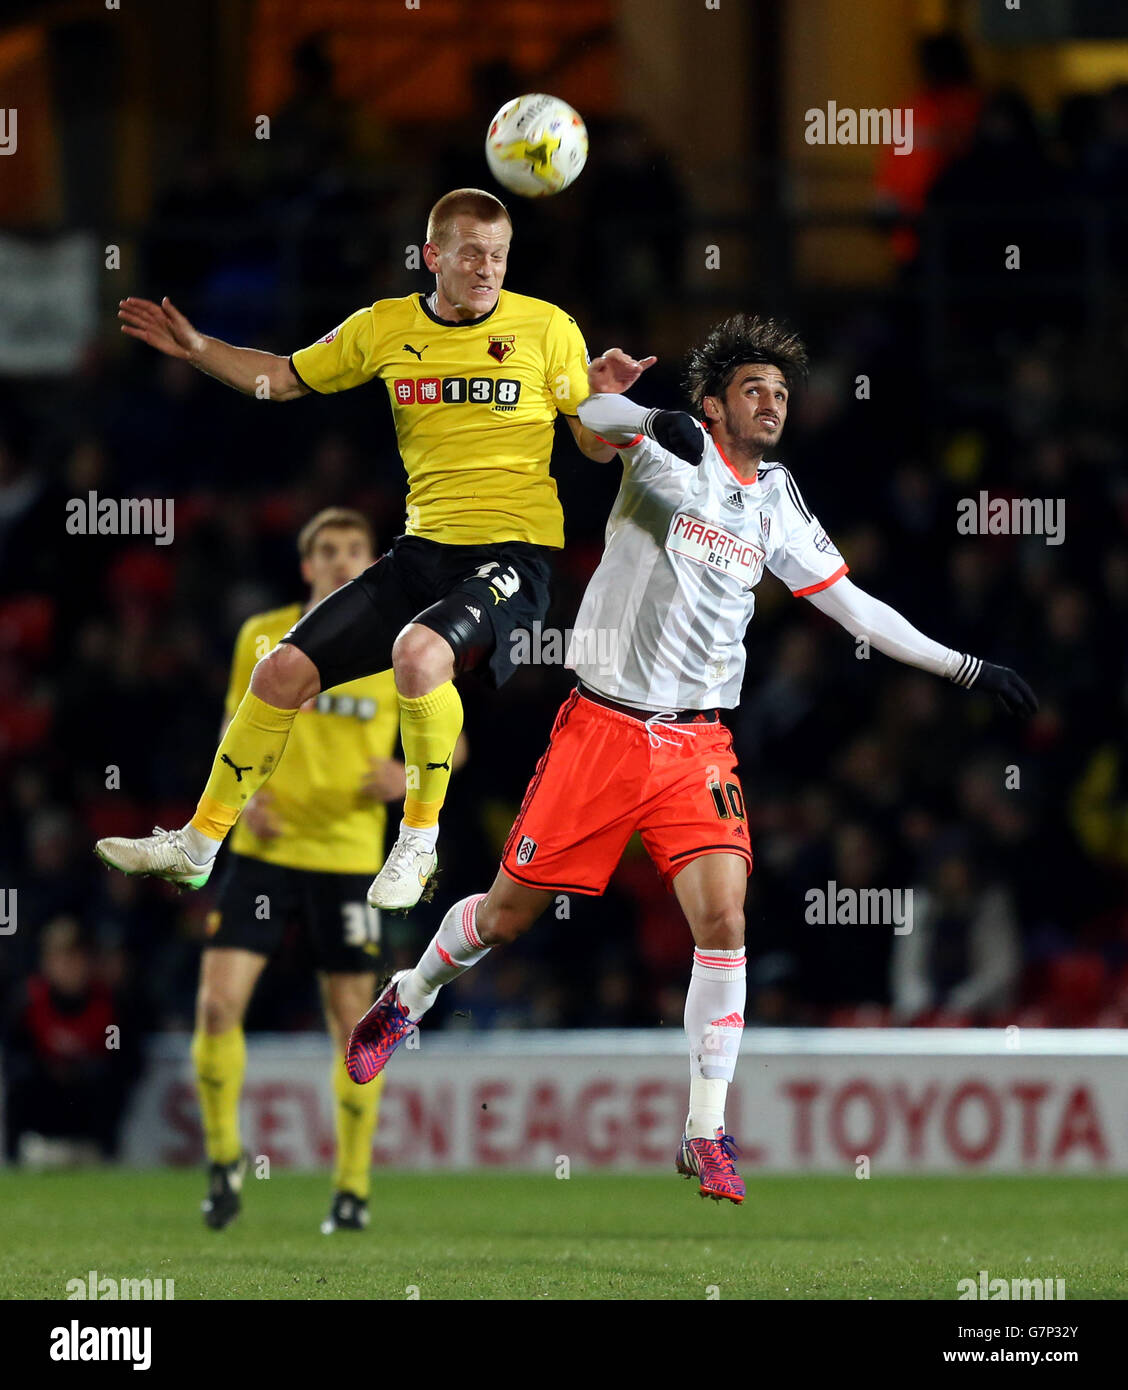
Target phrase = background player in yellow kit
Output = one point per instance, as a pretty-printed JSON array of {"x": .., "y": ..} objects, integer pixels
[
  {"x": 476, "y": 376},
  {"x": 305, "y": 848}
]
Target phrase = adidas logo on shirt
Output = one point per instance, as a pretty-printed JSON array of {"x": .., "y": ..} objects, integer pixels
[{"x": 735, "y": 499}]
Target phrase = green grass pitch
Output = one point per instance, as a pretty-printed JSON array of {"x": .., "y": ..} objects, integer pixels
[{"x": 484, "y": 1236}]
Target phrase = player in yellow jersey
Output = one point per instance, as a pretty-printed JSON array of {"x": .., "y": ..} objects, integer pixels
[
  {"x": 476, "y": 376},
  {"x": 303, "y": 851}
]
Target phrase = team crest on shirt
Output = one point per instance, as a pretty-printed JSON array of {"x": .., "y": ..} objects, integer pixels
[
  {"x": 765, "y": 526},
  {"x": 525, "y": 850},
  {"x": 501, "y": 346}
]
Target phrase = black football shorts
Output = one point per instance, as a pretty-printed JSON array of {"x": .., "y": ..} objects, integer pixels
[
  {"x": 476, "y": 596},
  {"x": 258, "y": 902}
]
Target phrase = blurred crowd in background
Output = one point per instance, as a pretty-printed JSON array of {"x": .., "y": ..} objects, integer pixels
[{"x": 860, "y": 773}]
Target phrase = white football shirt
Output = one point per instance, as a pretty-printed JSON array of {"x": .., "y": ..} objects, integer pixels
[{"x": 662, "y": 621}]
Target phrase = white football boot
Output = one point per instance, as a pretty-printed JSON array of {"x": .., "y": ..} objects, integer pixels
[
  {"x": 161, "y": 854},
  {"x": 406, "y": 872}
]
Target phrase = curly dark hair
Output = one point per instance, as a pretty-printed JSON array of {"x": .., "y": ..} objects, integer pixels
[{"x": 711, "y": 364}]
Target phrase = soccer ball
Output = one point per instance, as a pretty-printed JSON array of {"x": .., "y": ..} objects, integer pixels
[{"x": 536, "y": 145}]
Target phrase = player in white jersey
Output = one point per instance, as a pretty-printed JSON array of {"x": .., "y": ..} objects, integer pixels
[{"x": 639, "y": 745}]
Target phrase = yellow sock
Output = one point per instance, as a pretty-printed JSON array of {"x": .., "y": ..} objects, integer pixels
[
  {"x": 247, "y": 755},
  {"x": 220, "y": 1060},
  {"x": 429, "y": 729},
  {"x": 356, "y": 1109}
]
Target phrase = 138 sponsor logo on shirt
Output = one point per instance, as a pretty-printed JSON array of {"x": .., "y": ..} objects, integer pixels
[{"x": 501, "y": 392}]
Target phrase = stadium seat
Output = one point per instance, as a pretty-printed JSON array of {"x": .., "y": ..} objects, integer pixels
[
  {"x": 115, "y": 814},
  {"x": 141, "y": 574},
  {"x": 1030, "y": 1016},
  {"x": 26, "y": 625},
  {"x": 859, "y": 1016},
  {"x": 24, "y": 725},
  {"x": 1078, "y": 987}
]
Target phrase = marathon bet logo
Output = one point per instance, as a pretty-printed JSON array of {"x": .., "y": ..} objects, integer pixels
[{"x": 844, "y": 125}]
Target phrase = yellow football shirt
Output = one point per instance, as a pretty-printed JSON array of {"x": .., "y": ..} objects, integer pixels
[
  {"x": 473, "y": 405},
  {"x": 327, "y": 824}
]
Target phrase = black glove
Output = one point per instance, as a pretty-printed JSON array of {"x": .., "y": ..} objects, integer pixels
[
  {"x": 1014, "y": 694},
  {"x": 677, "y": 431}
]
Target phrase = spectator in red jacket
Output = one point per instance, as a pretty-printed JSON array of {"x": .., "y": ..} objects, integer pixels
[
  {"x": 69, "y": 1063},
  {"x": 945, "y": 110}
]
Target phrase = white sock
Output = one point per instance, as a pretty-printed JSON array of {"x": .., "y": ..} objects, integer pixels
[
  {"x": 201, "y": 848},
  {"x": 454, "y": 948},
  {"x": 714, "y": 1023},
  {"x": 429, "y": 833}
]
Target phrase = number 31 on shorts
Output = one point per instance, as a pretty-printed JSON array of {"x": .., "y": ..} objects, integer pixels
[{"x": 361, "y": 924}]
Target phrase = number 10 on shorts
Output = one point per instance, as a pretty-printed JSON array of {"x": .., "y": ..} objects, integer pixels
[{"x": 728, "y": 802}]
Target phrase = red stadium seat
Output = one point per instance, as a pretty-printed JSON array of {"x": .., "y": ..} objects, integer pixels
[
  {"x": 1030, "y": 1016},
  {"x": 1120, "y": 989},
  {"x": 171, "y": 814},
  {"x": 194, "y": 509},
  {"x": 26, "y": 625},
  {"x": 115, "y": 815},
  {"x": 281, "y": 513},
  {"x": 859, "y": 1016},
  {"x": 24, "y": 725},
  {"x": 142, "y": 574},
  {"x": 1078, "y": 988}
]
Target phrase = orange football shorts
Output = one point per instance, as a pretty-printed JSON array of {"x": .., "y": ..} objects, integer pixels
[{"x": 606, "y": 775}]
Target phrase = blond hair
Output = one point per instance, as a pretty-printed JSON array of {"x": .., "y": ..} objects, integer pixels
[
  {"x": 333, "y": 516},
  {"x": 463, "y": 202}
]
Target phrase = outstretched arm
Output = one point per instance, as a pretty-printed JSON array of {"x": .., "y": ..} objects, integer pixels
[
  {"x": 614, "y": 371},
  {"x": 165, "y": 328},
  {"x": 609, "y": 416},
  {"x": 862, "y": 615},
  {"x": 588, "y": 443}
]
